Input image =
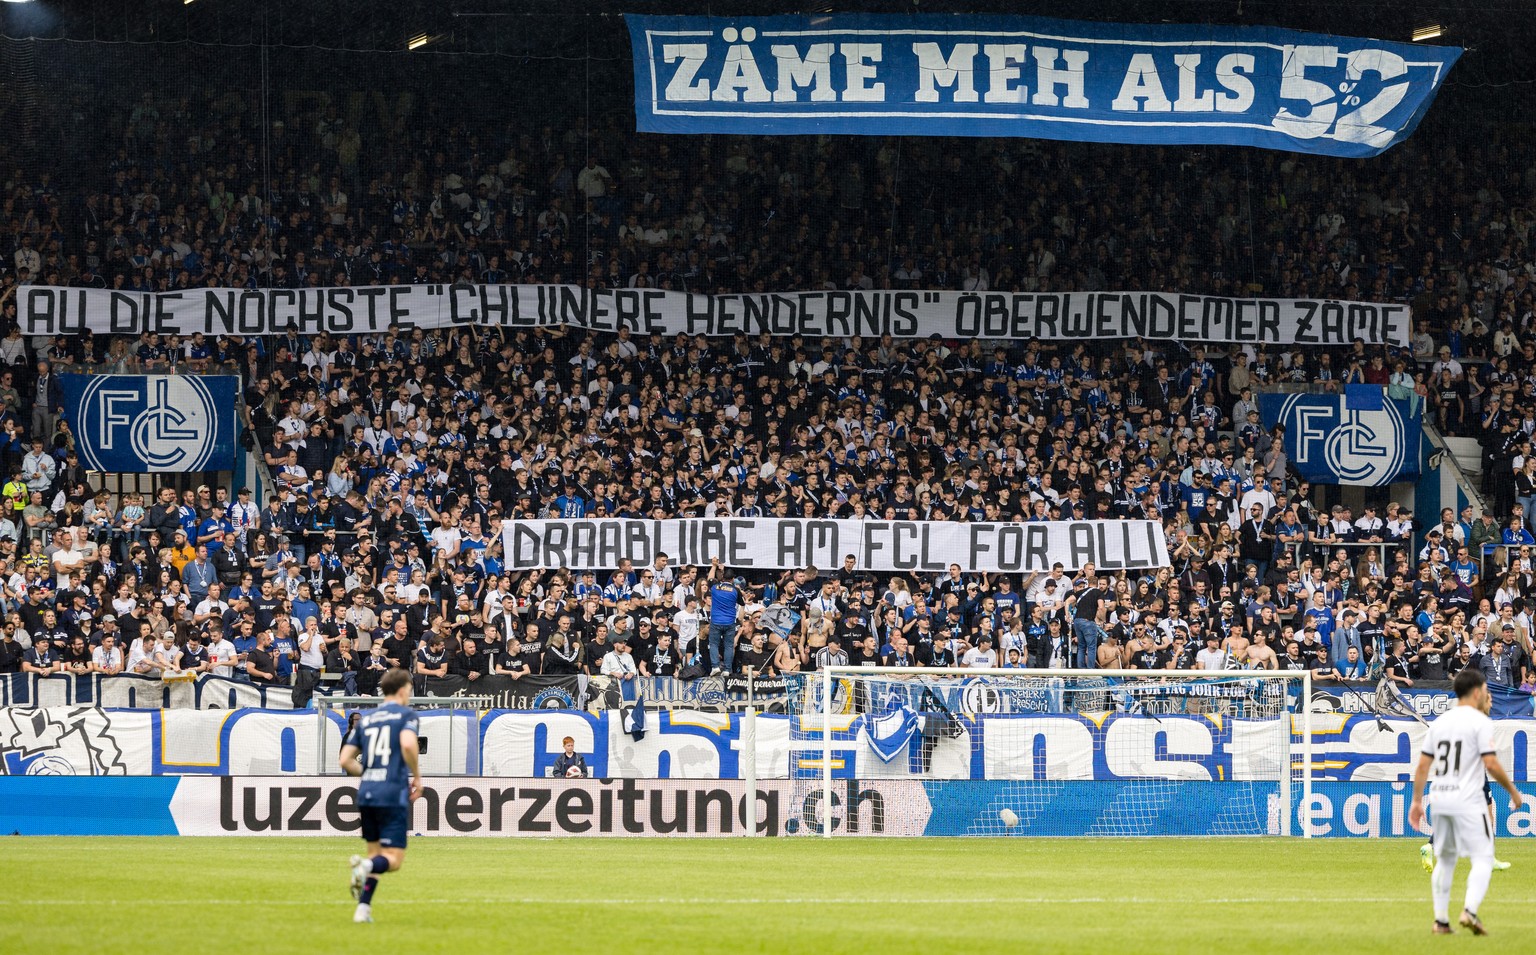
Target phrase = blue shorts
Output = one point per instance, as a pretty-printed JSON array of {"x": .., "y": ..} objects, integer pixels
[{"x": 386, "y": 825}]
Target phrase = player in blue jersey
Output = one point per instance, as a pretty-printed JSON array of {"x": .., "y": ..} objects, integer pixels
[{"x": 382, "y": 749}]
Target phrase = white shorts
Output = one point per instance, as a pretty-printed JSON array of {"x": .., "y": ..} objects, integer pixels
[{"x": 1462, "y": 836}]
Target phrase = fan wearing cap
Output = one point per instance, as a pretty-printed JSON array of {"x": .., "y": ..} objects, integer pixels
[
  {"x": 42, "y": 657},
  {"x": 831, "y": 655},
  {"x": 983, "y": 654},
  {"x": 1050, "y": 597},
  {"x": 587, "y": 586},
  {"x": 618, "y": 662},
  {"x": 243, "y": 514},
  {"x": 1446, "y": 363}
]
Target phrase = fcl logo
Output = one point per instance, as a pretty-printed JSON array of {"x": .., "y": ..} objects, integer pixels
[
  {"x": 167, "y": 422},
  {"x": 1365, "y": 447}
]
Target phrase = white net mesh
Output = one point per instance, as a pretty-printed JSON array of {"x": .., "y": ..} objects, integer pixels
[
  {"x": 1049, "y": 753},
  {"x": 449, "y": 733}
]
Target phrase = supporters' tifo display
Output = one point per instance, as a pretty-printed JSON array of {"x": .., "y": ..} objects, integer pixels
[
  {"x": 777, "y": 544},
  {"x": 886, "y": 424},
  {"x": 1025, "y": 76},
  {"x": 1054, "y": 726},
  {"x": 1358, "y": 437},
  {"x": 1068, "y": 316}
]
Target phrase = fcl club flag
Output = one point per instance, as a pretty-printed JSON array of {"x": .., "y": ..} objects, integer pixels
[
  {"x": 1360, "y": 438},
  {"x": 152, "y": 423}
]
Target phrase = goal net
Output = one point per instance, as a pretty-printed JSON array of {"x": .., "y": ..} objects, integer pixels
[{"x": 969, "y": 752}]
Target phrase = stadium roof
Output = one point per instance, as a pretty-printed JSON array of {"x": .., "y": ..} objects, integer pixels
[
  {"x": 384, "y": 24},
  {"x": 1497, "y": 34}
]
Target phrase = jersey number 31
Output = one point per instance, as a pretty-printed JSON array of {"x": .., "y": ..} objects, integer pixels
[{"x": 1446, "y": 764}]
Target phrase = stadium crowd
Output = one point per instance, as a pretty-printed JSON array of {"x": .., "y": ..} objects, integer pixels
[{"x": 395, "y": 457}]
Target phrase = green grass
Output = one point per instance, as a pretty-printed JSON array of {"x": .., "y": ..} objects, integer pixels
[{"x": 276, "y": 895}]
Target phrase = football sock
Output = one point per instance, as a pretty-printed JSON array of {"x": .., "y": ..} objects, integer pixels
[
  {"x": 366, "y": 897},
  {"x": 380, "y": 864},
  {"x": 1440, "y": 886},
  {"x": 1477, "y": 883}
]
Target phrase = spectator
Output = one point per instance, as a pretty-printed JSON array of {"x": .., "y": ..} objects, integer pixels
[
  {"x": 724, "y": 598},
  {"x": 833, "y": 655},
  {"x": 344, "y": 664},
  {"x": 41, "y": 658},
  {"x": 408, "y": 450},
  {"x": 1497, "y": 664},
  {"x": 260, "y": 663},
  {"x": 510, "y": 662},
  {"x": 470, "y": 661},
  {"x": 106, "y": 658},
  {"x": 981, "y": 655},
  {"x": 222, "y": 655},
  {"x": 619, "y": 663},
  {"x": 1212, "y": 657},
  {"x": 165, "y": 657},
  {"x": 431, "y": 659}
]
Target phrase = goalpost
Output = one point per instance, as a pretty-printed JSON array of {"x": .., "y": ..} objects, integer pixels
[{"x": 962, "y": 751}]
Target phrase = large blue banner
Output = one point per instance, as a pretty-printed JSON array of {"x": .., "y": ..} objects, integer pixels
[
  {"x": 1359, "y": 437},
  {"x": 1026, "y": 76},
  {"x": 1347, "y": 747},
  {"x": 144, "y": 423}
]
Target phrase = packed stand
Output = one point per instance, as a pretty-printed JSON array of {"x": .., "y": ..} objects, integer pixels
[{"x": 395, "y": 457}]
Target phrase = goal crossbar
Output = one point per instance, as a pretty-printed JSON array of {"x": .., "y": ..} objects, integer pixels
[{"x": 829, "y": 675}]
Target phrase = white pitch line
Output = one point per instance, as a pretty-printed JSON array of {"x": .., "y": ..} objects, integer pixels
[{"x": 1006, "y": 900}]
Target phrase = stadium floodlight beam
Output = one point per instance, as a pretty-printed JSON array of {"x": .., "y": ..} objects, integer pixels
[
  {"x": 418, "y": 41},
  {"x": 1429, "y": 31}
]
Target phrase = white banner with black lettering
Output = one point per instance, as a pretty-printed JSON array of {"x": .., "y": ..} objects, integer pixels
[
  {"x": 1073, "y": 316},
  {"x": 783, "y": 543}
]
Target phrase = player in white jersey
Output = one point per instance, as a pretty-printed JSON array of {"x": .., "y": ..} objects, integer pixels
[
  {"x": 1427, "y": 850},
  {"x": 1457, "y": 752}
]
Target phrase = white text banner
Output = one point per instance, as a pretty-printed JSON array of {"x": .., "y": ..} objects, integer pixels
[
  {"x": 885, "y": 546},
  {"x": 1060, "y": 316}
]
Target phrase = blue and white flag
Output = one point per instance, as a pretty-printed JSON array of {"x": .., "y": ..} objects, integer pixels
[
  {"x": 998, "y": 75},
  {"x": 152, "y": 423},
  {"x": 892, "y": 727},
  {"x": 1359, "y": 437}
]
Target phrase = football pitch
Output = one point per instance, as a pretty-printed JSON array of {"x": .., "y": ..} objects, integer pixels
[{"x": 278, "y": 895}]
